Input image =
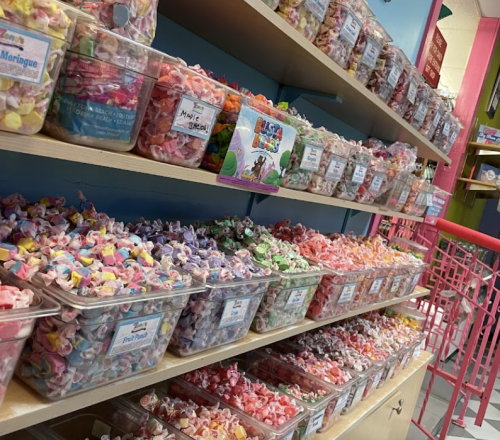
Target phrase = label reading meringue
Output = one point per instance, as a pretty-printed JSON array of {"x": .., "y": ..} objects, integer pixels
[
  {"x": 394, "y": 75},
  {"x": 371, "y": 54},
  {"x": 376, "y": 286},
  {"x": 315, "y": 422},
  {"x": 377, "y": 181},
  {"x": 396, "y": 283},
  {"x": 296, "y": 298},
  {"x": 318, "y": 8},
  {"x": 194, "y": 117},
  {"x": 347, "y": 293},
  {"x": 341, "y": 402},
  {"x": 235, "y": 311},
  {"x": 359, "y": 173},
  {"x": 421, "y": 112},
  {"x": 446, "y": 129},
  {"x": 412, "y": 92},
  {"x": 311, "y": 158},
  {"x": 134, "y": 333},
  {"x": 437, "y": 117},
  {"x": 351, "y": 28},
  {"x": 335, "y": 169},
  {"x": 404, "y": 196}
]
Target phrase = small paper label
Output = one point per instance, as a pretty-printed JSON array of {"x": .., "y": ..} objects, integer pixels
[
  {"x": 235, "y": 311},
  {"x": 415, "y": 280},
  {"x": 420, "y": 198},
  {"x": 318, "y": 8},
  {"x": 394, "y": 75},
  {"x": 404, "y": 196},
  {"x": 195, "y": 118},
  {"x": 23, "y": 54},
  {"x": 296, "y": 298},
  {"x": 350, "y": 29},
  {"x": 437, "y": 117},
  {"x": 347, "y": 293},
  {"x": 376, "y": 286},
  {"x": 371, "y": 54},
  {"x": 311, "y": 158},
  {"x": 421, "y": 112},
  {"x": 341, "y": 402},
  {"x": 412, "y": 92},
  {"x": 446, "y": 129},
  {"x": 335, "y": 169},
  {"x": 453, "y": 137},
  {"x": 377, "y": 181},
  {"x": 429, "y": 199},
  {"x": 100, "y": 429},
  {"x": 315, "y": 422},
  {"x": 377, "y": 378},
  {"x": 396, "y": 283},
  {"x": 359, "y": 393},
  {"x": 359, "y": 173},
  {"x": 416, "y": 353},
  {"x": 135, "y": 333}
]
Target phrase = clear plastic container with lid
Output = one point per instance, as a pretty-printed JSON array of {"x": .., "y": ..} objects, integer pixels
[
  {"x": 400, "y": 192},
  {"x": 103, "y": 91},
  {"x": 415, "y": 349},
  {"x": 405, "y": 93},
  {"x": 33, "y": 59},
  {"x": 95, "y": 341},
  {"x": 306, "y": 157},
  {"x": 417, "y": 198},
  {"x": 443, "y": 130},
  {"x": 377, "y": 282},
  {"x": 16, "y": 325},
  {"x": 415, "y": 114},
  {"x": 331, "y": 168},
  {"x": 434, "y": 114},
  {"x": 341, "y": 28},
  {"x": 386, "y": 75},
  {"x": 354, "y": 173},
  {"x": 181, "y": 114},
  {"x": 305, "y": 16},
  {"x": 396, "y": 279},
  {"x": 410, "y": 317},
  {"x": 455, "y": 127},
  {"x": 374, "y": 180},
  {"x": 406, "y": 245},
  {"x": 365, "y": 53}
]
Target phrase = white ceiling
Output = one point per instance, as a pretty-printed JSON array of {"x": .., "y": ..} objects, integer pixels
[{"x": 490, "y": 8}]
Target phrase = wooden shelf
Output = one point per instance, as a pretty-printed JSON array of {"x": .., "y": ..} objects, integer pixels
[
  {"x": 48, "y": 147},
  {"x": 23, "y": 408},
  {"x": 253, "y": 33},
  {"x": 478, "y": 185},
  {"x": 486, "y": 147}
]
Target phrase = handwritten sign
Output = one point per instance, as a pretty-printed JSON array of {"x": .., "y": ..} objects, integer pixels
[{"x": 434, "y": 58}]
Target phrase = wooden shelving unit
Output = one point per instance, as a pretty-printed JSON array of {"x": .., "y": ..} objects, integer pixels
[
  {"x": 23, "y": 408},
  {"x": 48, "y": 147},
  {"x": 485, "y": 147}
]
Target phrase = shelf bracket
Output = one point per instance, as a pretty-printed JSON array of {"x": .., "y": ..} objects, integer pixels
[{"x": 291, "y": 94}]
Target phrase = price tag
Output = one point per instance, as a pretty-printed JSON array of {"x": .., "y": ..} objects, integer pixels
[
  {"x": 377, "y": 181},
  {"x": 341, "y": 403},
  {"x": 359, "y": 393},
  {"x": 396, "y": 283},
  {"x": 350, "y": 30},
  {"x": 347, "y": 293},
  {"x": 376, "y": 286},
  {"x": 371, "y": 54},
  {"x": 429, "y": 199},
  {"x": 437, "y": 117},
  {"x": 415, "y": 280},
  {"x": 335, "y": 169},
  {"x": 315, "y": 422},
  {"x": 416, "y": 353},
  {"x": 195, "y": 118},
  {"x": 420, "y": 198},
  {"x": 311, "y": 158},
  {"x": 453, "y": 137},
  {"x": 394, "y": 75},
  {"x": 412, "y": 92},
  {"x": 318, "y": 8},
  {"x": 377, "y": 378},
  {"x": 359, "y": 173},
  {"x": 421, "y": 112},
  {"x": 235, "y": 311},
  {"x": 133, "y": 334},
  {"x": 296, "y": 298},
  {"x": 446, "y": 129}
]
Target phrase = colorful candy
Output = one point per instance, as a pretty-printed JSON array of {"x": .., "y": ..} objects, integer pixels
[{"x": 303, "y": 15}]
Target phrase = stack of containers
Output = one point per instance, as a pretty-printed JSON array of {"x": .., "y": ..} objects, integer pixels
[
  {"x": 25, "y": 94},
  {"x": 340, "y": 30},
  {"x": 434, "y": 114},
  {"x": 416, "y": 112},
  {"x": 405, "y": 93},
  {"x": 400, "y": 192},
  {"x": 90, "y": 111},
  {"x": 303, "y": 15},
  {"x": 354, "y": 173}
]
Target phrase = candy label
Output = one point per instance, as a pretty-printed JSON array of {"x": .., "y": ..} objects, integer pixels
[
  {"x": 421, "y": 112},
  {"x": 318, "y": 8},
  {"x": 437, "y": 117},
  {"x": 195, "y": 118},
  {"x": 341, "y": 402},
  {"x": 404, "y": 196},
  {"x": 429, "y": 199},
  {"x": 377, "y": 378},
  {"x": 296, "y": 298},
  {"x": 23, "y": 54},
  {"x": 350, "y": 29},
  {"x": 394, "y": 75},
  {"x": 420, "y": 198},
  {"x": 396, "y": 283},
  {"x": 359, "y": 173},
  {"x": 315, "y": 422},
  {"x": 347, "y": 293},
  {"x": 311, "y": 158},
  {"x": 412, "y": 92},
  {"x": 371, "y": 54},
  {"x": 335, "y": 169},
  {"x": 416, "y": 353},
  {"x": 453, "y": 137},
  {"x": 100, "y": 429},
  {"x": 376, "y": 286},
  {"x": 414, "y": 282},
  {"x": 359, "y": 393},
  {"x": 235, "y": 311},
  {"x": 88, "y": 118},
  {"x": 134, "y": 334},
  {"x": 446, "y": 129},
  {"x": 377, "y": 181}
]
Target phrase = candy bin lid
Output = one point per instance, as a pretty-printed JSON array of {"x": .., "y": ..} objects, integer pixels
[{"x": 379, "y": 28}]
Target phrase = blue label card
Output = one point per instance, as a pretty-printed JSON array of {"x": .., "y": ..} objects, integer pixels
[
  {"x": 371, "y": 54},
  {"x": 335, "y": 169},
  {"x": 296, "y": 298},
  {"x": 351, "y": 28},
  {"x": 318, "y": 8},
  {"x": 348, "y": 293}
]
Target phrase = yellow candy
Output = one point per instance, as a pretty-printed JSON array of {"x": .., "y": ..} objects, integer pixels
[
  {"x": 109, "y": 276},
  {"x": 134, "y": 253},
  {"x": 33, "y": 120},
  {"x": 6, "y": 84},
  {"x": 54, "y": 340},
  {"x": 76, "y": 279},
  {"x": 103, "y": 230},
  {"x": 12, "y": 121},
  {"x": 4, "y": 255},
  {"x": 165, "y": 326},
  {"x": 240, "y": 432},
  {"x": 56, "y": 34},
  {"x": 2, "y": 14},
  {"x": 57, "y": 253},
  {"x": 26, "y": 107},
  {"x": 27, "y": 243},
  {"x": 108, "y": 250},
  {"x": 86, "y": 260},
  {"x": 23, "y": 6},
  {"x": 147, "y": 257},
  {"x": 184, "y": 423}
]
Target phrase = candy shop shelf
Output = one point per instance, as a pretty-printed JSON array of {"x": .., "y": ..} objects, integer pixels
[
  {"x": 485, "y": 147},
  {"x": 48, "y": 147},
  {"x": 23, "y": 408},
  {"x": 477, "y": 185},
  {"x": 253, "y": 33}
]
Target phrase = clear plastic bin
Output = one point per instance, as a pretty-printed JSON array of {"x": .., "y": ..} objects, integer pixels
[
  {"x": 26, "y": 92},
  {"x": 96, "y": 341},
  {"x": 377, "y": 282},
  {"x": 397, "y": 281},
  {"x": 386, "y": 75},
  {"x": 456, "y": 126},
  {"x": 332, "y": 166},
  {"x": 181, "y": 114},
  {"x": 416, "y": 274},
  {"x": 286, "y": 301},
  {"x": 400, "y": 192},
  {"x": 108, "y": 115},
  {"x": 434, "y": 114},
  {"x": 417, "y": 198},
  {"x": 180, "y": 389},
  {"x": 405, "y": 93},
  {"x": 406, "y": 245},
  {"x": 387, "y": 372},
  {"x": 365, "y": 53},
  {"x": 402, "y": 356},
  {"x": 221, "y": 314},
  {"x": 354, "y": 173},
  {"x": 415, "y": 114},
  {"x": 305, "y": 16},
  {"x": 443, "y": 130},
  {"x": 305, "y": 158},
  {"x": 414, "y": 347},
  {"x": 409, "y": 317},
  {"x": 340, "y": 30},
  {"x": 16, "y": 326},
  {"x": 374, "y": 179}
]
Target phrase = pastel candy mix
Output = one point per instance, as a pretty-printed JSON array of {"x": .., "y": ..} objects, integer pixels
[
  {"x": 24, "y": 104},
  {"x": 254, "y": 398},
  {"x": 405, "y": 93},
  {"x": 298, "y": 15},
  {"x": 134, "y": 19},
  {"x": 416, "y": 112},
  {"x": 417, "y": 198},
  {"x": 434, "y": 114},
  {"x": 180, "y": 116}
]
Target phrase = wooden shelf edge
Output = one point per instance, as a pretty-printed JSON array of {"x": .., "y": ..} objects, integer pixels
[
  {"x": 47, "y": 147},
  {"x": 487, "y": 147},
  {"x": 23, "y": 408},
  {"x": 478, "y": 183}
]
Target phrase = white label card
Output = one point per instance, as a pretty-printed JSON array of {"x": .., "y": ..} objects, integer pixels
[
  {"x": 359, "y": 173},
  {"x": 133, "y": 334},
  {"x": 318, "y": 8},
  {"x": 404, "y": 196},
  {"x": 377, "y": 181},
  {"x": 394, "y": 75},
  {"x": 412, "y": 92},
  {"x": 235, "y": 311},
  {"x": 296, "y": 298},
  {"x": 342, "y": 402},
  {"x": 446, "y": 129},
  {"x": 311, "y": 158},
  {"x": 194, "y": 117},
  {"x": 415, "y": 280},
  {"x": 416, "y": 353},
  {"x": 371, "y": 54},
  {"x": 429, "y": 199},
  {"x": 347, "y": 293},
  {"x": 359, "y": 393},
  {"x": 453, "y": 137},
  {"x": 315, "y": 422},
  {"x": 420, "y": 198},
  {"x": 335, "y": 169},
  {"x": 350, "y": 29},
  {"x": 421, "y": 112},
  {"x": 396, "y": 283},
  {"x": 437, "y": 117},
  {"x": 376, "y": 286}
]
